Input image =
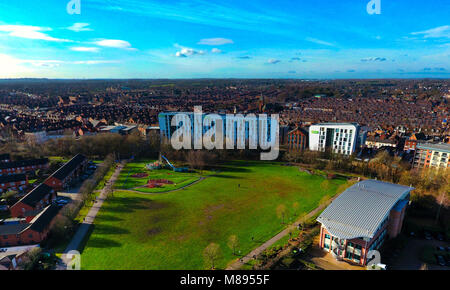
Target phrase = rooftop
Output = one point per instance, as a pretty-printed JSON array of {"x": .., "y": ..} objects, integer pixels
[
  {"x": 12, "y": 178},
  {"x": 360, "y": 209},
  {"x": 70, "y": 166},
  {"x": 36, "y": 195},
  {"x": 444, "y": 147},
  {"x": 336, "y": 124},
  {"x": 23, "y": 163}
]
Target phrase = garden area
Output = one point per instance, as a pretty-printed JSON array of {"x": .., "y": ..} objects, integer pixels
[
  {"x": 135, "y": 176},
  {"x": 172, "y": 230}
]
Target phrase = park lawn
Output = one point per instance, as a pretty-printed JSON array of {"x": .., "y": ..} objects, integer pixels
[
  {"x": 171, "y": 230},
  {"x": 58, "y": 158},
  {"x": 107, "y": 176},
  {"x": 180, "y": 179}
]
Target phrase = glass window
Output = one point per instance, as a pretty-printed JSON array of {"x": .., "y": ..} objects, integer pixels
[{"x": 349, "y": 255}]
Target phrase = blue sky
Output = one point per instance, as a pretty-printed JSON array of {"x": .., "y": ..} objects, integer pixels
[{"x": 223, "y": 39}]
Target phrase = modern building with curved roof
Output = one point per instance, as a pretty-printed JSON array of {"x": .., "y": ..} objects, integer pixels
[{"x": 361, "y": 218}]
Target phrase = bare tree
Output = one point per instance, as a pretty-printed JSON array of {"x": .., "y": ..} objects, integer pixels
[
  {"x": 211, "y": 254},
  {"x": 302, "y": 221},
  {"x": 295, "y": 206},
  {"x": 233, "y": 243},
  {"x": 281, "y": 212}
]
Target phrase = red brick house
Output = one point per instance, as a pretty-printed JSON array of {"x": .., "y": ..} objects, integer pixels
[
  {"x": 70, "y": 171},
  {"x": 297, "y": 139},
  {"x": 13, "y": 182},
  {"x": 32, "y": 203},
  {"x": 22, "y": 166},
  {"x": 411, "y": 142},
  {"x": 27, "y": 233}
]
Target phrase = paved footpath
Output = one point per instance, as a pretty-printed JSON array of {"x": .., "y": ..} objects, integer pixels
[
  {"x": 90, "y": 217},
  {"x": 239, "y": 263}
]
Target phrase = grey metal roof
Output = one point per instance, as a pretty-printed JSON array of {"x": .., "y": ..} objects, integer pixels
[
  {"x": 360, "y": 209},
  {"x": 444, "y": 147}
]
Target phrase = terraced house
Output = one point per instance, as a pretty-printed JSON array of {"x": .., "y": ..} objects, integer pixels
[
  {"x": 32, "y": 203},
  {"x": 67, "y": 173},
  {"x": 22, "y": 232},
  {"x": 23, "y": 166},
  {"x": 13, "y": 182},
  {"x": 362, "y": 218}
]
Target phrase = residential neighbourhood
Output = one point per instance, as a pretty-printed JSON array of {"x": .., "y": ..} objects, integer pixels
[
  {"x": 345, "y": 193},
  {"x": 239, "y": 144}
]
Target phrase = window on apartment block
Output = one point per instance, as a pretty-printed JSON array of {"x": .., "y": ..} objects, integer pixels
[{"x": 349, "y": 255}]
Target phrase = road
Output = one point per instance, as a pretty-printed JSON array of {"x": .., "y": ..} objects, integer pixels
[
  {"x": 239, "y": 263},
  {"x": 90, "y": 217}
]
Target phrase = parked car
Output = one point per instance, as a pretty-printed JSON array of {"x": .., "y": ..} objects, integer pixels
[
  {"x": 440, "y": 260},
  {"x": 427, "y": 235},
  {"x": 441, "y": 249},
  {"x": 440, "y": 237}
]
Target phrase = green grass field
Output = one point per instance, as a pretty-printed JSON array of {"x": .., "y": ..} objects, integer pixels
[
  {"x": 171, "y": 230},
  {"x": 126, "y": 181}
]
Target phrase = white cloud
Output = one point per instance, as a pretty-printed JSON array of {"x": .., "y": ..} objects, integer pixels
[
  {"x": 30, "y": 32},
  {"x": 438, "y": 32},
  {"x": 10, "y": 65},
  {"x": 215, "y": 41},
  {"x": 216, "y": 50},
  {"x": 85, "y": 49},
  {"x": 114, "y": 43},
  {"x": 318, "y": 41},
  {"x": 78, "y": 27},
  {"x": 186, "y": 51}
]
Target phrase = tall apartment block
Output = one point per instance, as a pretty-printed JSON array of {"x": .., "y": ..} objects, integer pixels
[
  {"x": 431, "y": 155},
  {"x": 341, "y": 138}
]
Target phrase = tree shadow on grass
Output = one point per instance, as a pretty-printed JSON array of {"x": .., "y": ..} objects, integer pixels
[
  {"x": 102, "y": 243},
  {"x": 233, "y": 169},
  {"x": 109, "y": 218},
  {"x": 110, "y": 230},
  {"x": 124, "y": 205},
  {"x": 225, "y": 176}
]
